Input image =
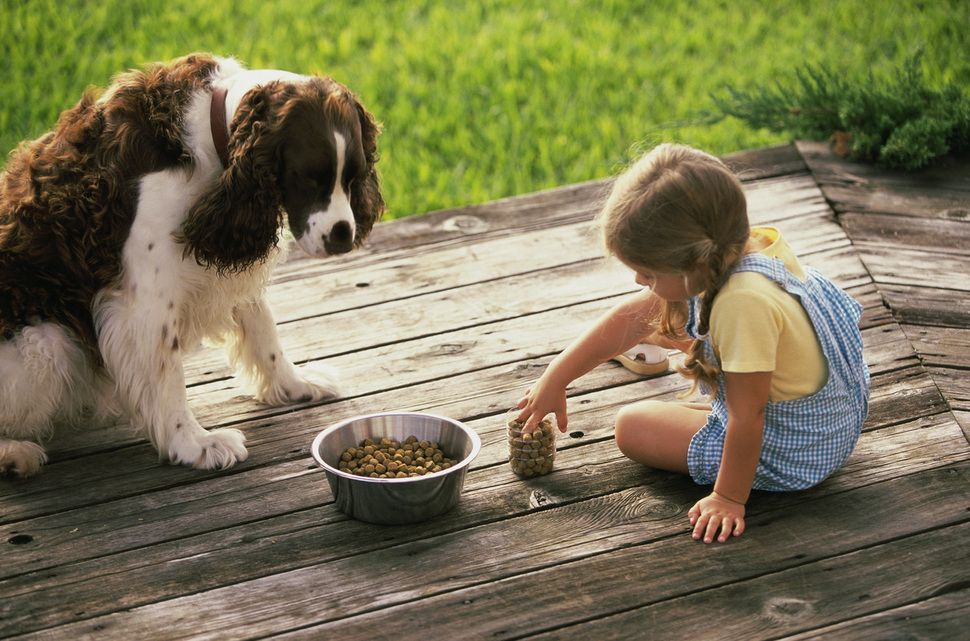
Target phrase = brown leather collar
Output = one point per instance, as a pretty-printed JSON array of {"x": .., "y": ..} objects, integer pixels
[{"x": 217, "y": 121}]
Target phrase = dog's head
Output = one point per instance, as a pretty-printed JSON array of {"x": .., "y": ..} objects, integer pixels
[{"x": 300, "y": 145}]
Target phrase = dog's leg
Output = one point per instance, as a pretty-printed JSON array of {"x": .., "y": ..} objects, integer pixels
[
  {"x": 143, "y": 329},
  {"x": 140, "y": 339},
  {"x": 42, "y": 379},
  {"x": 255, "y": 352}
]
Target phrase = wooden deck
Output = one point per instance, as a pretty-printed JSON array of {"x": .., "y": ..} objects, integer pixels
[{"x": 455, "y": 313}]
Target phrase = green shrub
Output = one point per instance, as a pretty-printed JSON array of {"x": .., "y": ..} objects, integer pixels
[{"x": 899, "y": 123}]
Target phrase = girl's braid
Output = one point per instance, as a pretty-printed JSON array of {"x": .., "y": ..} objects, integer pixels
[{"x": 696, "y": 365}]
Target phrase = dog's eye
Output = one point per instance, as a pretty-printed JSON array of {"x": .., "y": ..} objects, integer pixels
[{"x": 311, "y": 182}]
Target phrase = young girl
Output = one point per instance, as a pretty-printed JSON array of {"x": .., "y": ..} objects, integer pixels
[{"x": 775, "y": 345}]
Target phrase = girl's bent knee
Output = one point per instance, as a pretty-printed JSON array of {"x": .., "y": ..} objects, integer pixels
[
  {"x": 636, "y": 416},
  {"x": 632, "y": 425},
  {"x": 657, "y": 434}
]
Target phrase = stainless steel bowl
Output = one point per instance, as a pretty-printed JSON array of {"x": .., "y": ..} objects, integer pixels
[{"x": 396, "y": 501}]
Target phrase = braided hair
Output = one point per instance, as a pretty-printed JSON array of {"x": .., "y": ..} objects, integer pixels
[{"x": 678, "y": 210}]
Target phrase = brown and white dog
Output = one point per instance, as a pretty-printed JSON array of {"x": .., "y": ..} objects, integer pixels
[{"x": 149, "y": 220}]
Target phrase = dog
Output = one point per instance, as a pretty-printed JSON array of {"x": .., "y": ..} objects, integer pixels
[{"x": 148, "y": 221}]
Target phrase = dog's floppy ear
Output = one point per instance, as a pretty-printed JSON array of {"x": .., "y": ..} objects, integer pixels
[
  {"x": 235, "y": 223},
  {"x": 366, "y": 198}
]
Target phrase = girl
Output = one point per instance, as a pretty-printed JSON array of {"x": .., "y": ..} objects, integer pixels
[{"x": 776, "y": 346}]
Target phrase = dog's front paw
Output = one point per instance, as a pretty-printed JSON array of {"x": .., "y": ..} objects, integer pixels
[
  {"x": 23, "y": 458},
  {"x": 215, "y": 450},
  {"x": 309, "y": 383}
]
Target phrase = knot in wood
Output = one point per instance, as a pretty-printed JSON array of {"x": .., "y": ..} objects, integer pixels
[
  {"x": 465, "y": 224},
  {"x": 452, "y": 348},
  {"x": 537, "y": 498},
  {"x": 787, "y": 609},
  {"x": 527, "y": 369},
  {"x": 652, "y": 510}
]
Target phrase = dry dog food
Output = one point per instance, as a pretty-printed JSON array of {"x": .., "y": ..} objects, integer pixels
[
  {"x": 387, "y": 459},
  {"x": 531, "y": 453}
]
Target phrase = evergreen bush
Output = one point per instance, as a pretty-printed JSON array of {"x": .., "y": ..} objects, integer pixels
[{"x": 899, "y": 123}]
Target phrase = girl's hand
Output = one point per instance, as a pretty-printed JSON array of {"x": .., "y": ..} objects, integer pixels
[
  {"x": 713, "y": 513},
  {"x": 541, "y": 400}
]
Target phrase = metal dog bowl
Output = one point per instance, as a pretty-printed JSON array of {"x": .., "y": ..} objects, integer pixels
[{"x": 399, "y": 500}]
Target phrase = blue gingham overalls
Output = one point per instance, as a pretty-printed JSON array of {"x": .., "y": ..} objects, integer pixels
[{"x": 805, "y": 439}]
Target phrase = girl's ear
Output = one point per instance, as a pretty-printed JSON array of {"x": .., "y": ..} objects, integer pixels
[
  {"x": 236, "y": 223},
  {"x": 366, "y": 198}
]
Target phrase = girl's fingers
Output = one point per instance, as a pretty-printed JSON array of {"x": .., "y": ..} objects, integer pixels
[
  {"x": 561, "y": 420},
  {"x": 707, "y": 526},
  {"x": 712, "y": 527},
  {"x": 528, "y": 418},
  {"x": 700, "y": 524},
  {"x": 738, "y": 527},
  {"x": 726, "y": 524}
]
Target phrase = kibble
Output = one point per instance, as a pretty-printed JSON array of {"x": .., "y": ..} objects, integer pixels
[
  {"x": 387, "y": 459},
  {"x": 531, "y": 453}
]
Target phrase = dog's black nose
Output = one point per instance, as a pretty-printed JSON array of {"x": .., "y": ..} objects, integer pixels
[{"x": 340, "y": 240}]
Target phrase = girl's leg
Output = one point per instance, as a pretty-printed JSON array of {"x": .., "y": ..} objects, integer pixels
[{"x": 658, "y": 434}]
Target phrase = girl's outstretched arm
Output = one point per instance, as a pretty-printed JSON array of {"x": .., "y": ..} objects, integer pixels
[
  {"x": 617, "y": 331},
  {"x": 723, "y": 509}
]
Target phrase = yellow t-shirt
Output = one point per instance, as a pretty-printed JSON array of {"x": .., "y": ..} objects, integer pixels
[{"x": 757, "y": 326}]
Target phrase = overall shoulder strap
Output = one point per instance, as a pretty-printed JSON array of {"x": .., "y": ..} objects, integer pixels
[{"x": 773, "y": 268}]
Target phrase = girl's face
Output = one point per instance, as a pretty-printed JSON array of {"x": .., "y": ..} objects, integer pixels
[{"x": 670, "y": 287}]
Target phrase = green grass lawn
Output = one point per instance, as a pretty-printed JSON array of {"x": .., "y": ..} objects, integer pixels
[{"x": 482, "y": 100}]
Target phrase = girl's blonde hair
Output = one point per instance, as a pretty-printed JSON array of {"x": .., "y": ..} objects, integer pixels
[{"x": 674, "y": 210}]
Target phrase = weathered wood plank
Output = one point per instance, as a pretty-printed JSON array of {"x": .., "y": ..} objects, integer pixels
[
  {"x": 875, "y": 312},
  {"x": 476, "y": 304},
  {"x": 902, "y": 395},
  {"x": 802, "y": 598},
  {"x": 916, "y": 267},
  {"x": 941, "y": 617},
  {"x": 941, "y": 192},
  {"x": 549, "y": 208},
  {"x": 955, "y": 385},
  {"x": 891, "y": 231},
  {"x": 945, "y": 347},
  {"x": 769, "y": 162},
  {"x": 927, "y": 305},
  {"x": 581, "y": 552},
  {"x": 963, "y": 418}
]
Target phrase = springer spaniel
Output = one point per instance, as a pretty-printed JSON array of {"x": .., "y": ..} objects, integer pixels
[{"x": 149, "y": 220}]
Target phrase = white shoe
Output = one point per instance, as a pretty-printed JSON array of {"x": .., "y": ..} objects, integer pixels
[{"x": 645, "y": 359}]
